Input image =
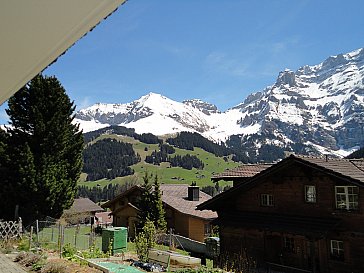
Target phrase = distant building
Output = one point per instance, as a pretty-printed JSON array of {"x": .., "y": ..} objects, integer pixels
[
  {"x": 103, "y": 219},
  {"x": 302, "y": 214},
  {"x": 179, "y": 201},
  {"x": 81, "y": 211}
]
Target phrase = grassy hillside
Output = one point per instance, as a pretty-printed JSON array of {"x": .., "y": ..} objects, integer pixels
[{"x": 167, "y": 174}]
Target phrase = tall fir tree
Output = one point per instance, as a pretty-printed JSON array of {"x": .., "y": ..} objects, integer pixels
[
  {"x": 145, "y": 212},
  {"x": 150, "y": 204},
  {"x": 44, "y": 149},
  {"x": 159, "y": 213}
]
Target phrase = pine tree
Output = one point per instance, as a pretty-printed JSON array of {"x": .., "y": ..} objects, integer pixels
[
  {"x": 159, "y": 213},
  {"x": 145, "y": 212},
  {"x": 150, "y": 204},
  {"x": 44, "y": 149}
]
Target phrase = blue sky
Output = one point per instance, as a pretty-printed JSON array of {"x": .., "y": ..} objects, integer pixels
[{"x": 218, "y": 51}]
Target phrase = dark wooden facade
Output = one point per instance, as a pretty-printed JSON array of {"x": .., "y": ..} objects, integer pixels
[{"x": 295, "y": 228}]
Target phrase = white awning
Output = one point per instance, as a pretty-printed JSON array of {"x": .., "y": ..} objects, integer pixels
[{"x": 34, "y": 33}]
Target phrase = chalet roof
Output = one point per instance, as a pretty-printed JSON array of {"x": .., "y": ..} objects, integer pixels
[
  {"x": 125, "y": 193},
  {"x": 350, "y": 170},
  {"x": 175, "y": 196},
  {"x": 128, "y": 205},
  {"x": 81, "y": 205},
  {"x": 243, "y": 171}
]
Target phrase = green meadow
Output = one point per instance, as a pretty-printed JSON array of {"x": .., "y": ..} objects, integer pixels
[{"x": 167, "y": 174}]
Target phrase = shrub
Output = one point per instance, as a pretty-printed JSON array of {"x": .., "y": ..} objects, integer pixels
[
  {"x": 141, "y": 245},
  {"x": 29, "y": 258},
  {"x": 51, "y": 267}
]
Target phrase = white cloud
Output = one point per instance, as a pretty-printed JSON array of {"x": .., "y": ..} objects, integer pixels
[
  {"x": 222, "y": 63},
  {"x": 85, "y": 102}
]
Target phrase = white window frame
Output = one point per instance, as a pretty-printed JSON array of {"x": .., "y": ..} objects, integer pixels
[
  {"x": 266, "y": 200},
  {"x": 337, "y": 249},
  {"x": 347, "y": 197},
  {"x": 310, "y": 194}
]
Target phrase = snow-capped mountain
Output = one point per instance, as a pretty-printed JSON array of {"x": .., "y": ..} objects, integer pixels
[
  {"x": 316, "y": 109},
  {"x": 152, "y": 113}
]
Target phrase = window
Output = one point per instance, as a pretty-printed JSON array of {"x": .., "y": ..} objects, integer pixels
[
  {"x": 337, "y": 250},
  {"x": 207, "y": 229},
  {"x": 266, "y": 200},
  {"x": 288, "y": 244},
  {"x": 310, "y": 194},
  {"x": 346, "y": 197}
]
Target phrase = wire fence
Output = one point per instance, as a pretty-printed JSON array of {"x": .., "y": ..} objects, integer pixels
[{"x": 50, "y": 233}]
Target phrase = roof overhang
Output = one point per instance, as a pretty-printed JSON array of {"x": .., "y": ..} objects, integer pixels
[{"x": 34, "y": 33}]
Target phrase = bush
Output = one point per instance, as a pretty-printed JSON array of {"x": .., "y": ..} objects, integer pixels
[
  {"x": 144, "y": 240},
  {"x": 141, "y": 245},
  {"x": 54, "y": 268},
  {"x": 30, "y": 259}
]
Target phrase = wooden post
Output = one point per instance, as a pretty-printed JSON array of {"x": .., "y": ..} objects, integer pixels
[
  {"x": 170, "y": 238},
  {"x": 30, "y": 237},
  {"x": 60, "y": 239},
  {"x": 37, "y": 230},
  {"x": 16, "y": 212},
  {"x": 20, "y": 227},
  {"x": 52, "y": 237},
  {"x": 62, "y": 235},
  {"x": 76, "y": 232}
]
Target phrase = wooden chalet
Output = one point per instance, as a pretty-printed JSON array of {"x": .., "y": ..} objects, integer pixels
[
  {"x": 179, "y": 201},
  {"x": 81, "y": 211},
  {"x": 302, "y": 214}
]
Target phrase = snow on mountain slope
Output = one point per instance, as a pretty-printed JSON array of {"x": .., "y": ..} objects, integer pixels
[
  {"x": 314, "y": 110},
  {"x": 152, "y": 113}
]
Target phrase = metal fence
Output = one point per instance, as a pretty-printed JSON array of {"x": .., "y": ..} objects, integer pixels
[{"x": 51, "y": 233}]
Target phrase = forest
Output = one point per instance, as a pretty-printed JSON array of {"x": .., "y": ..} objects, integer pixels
[
  {"x": 109, "y": 158},
  {"x": 188, "y": 140},
  {"x": 121, "y": 130}
]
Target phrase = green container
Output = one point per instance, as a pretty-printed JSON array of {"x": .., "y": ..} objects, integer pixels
[{"x": 119, "y": 237}]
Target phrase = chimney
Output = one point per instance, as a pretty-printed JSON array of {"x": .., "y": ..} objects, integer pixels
[{"x": 193, "y": 193}]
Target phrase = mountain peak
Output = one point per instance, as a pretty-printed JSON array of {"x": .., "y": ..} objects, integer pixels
[
  {"x": 205, "y": 107},
  {"x": 286, "y": 77},
  {"x": 314, "y": 110}
]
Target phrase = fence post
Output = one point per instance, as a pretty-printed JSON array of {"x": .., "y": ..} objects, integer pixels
[
  {"x": 30, "y": 237},
  {"x": 20, "y": 227},
  {"x": 52, "y": 236},
  {"x": 170, "y": 238},
  {"x": 60, "y": 239},
  {"x": 76, "y": 232},
  {"x": 37, "y": 230},
  {"x": 62, "y": 235}
]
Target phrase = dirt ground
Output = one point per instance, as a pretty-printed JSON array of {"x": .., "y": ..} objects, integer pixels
[{"x": 72, "y": 266}]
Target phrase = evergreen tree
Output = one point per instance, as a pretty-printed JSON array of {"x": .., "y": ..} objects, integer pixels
[
  {"x": 150, "y": 204},
  {"x": 159, "y": 213},
  {"x": 44, "y": 149},
  {"x": 145, "y": 202}
]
